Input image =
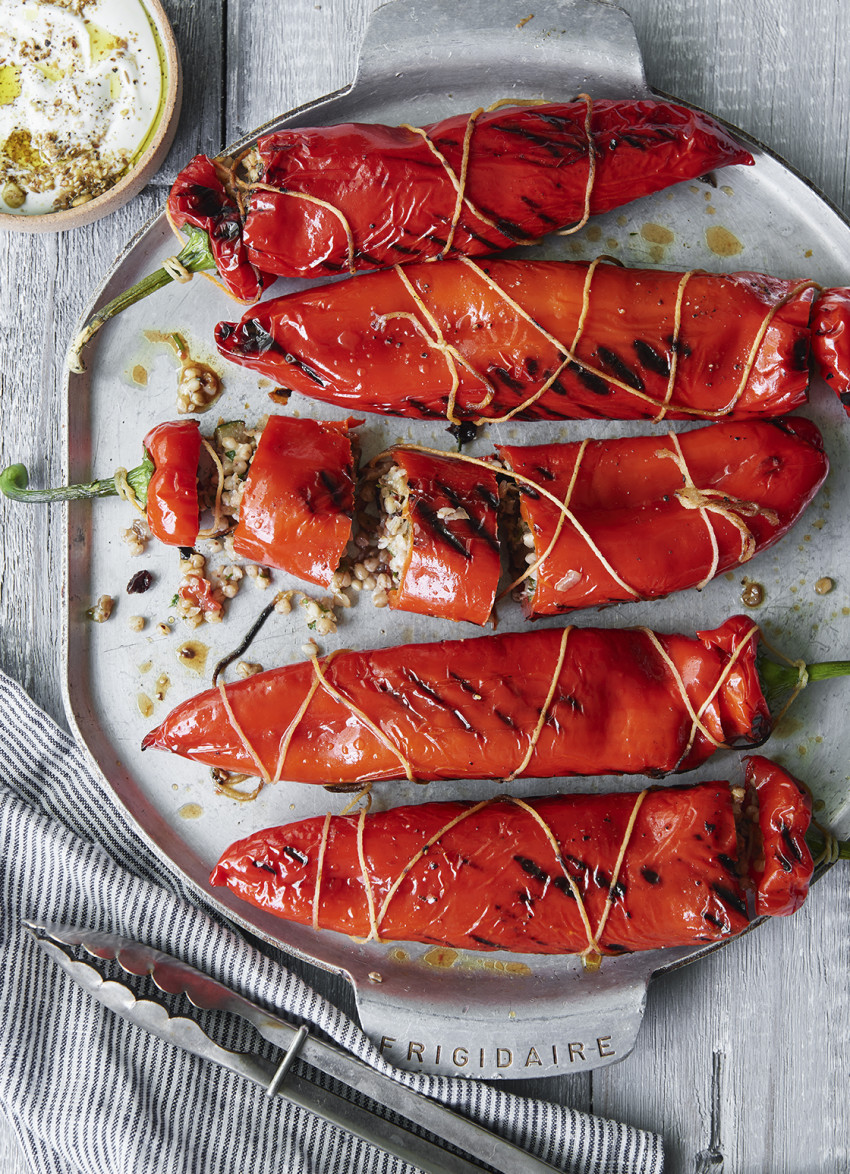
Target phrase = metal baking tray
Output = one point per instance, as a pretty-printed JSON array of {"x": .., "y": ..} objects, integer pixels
[{"x": 475, "y": 1014}]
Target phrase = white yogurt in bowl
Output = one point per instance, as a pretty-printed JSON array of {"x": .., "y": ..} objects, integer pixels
[{"x": 83, "y": 85}]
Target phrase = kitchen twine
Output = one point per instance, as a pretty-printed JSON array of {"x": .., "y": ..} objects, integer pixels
[{"x": 87, "y": 1092}]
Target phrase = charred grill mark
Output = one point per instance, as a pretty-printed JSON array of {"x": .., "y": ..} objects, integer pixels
[
  {"x": 424, "y": 688},
  {"x": 302, "y": 366},
  {"x": 650, "y": 875},
  {"x": 616, "y": 948},
  {"x": 532, "y": 366},
  {"x": 731, "y": 899},
  {"x": 464, "y": 684},
  {"x": 711, "y": 828},
  {"x": 678, "y": 346},
  {"x": 439, "y": 528},
  {"x": 506, "y": 718},
  {"x": 477, "y": 525},
  {"x": 540, "y": 140},
  {"x": 634, "y": 141},
  {"x": 399, "y": 248},
  {"x": 615, "y": 364},
  {"x": 800, "y": 353},
  {"x": 726, "y": 862},
  {"x": 544, "y": 473},
  {"x": 563, "y": 886},
  {"x": 559, "y": 389},
  {"x": 487, "y": 495},
  {"x": 423, "y": 410},
  {"x": 723, "y": 926},
  {"x": 509, "y": 380},
  {"x": 530, "y": 868},
  {"x": 591, "y": 381},
  {"x": 484, "y": 941},
  {"x": 252, "y": 338},
  {"x": 362, "y": 255},
  {"x": 206, "y": 201},
  {"x": 528, "y": 491},
  {"x": 784, "y": 862},
  {"x": 543, "y": 217},
  {"x": 651, "y": 359},
  {"x": 335, "y": 489},
  {"x": 507, "y": 228},
  {"x": 294, "y": 854},
  {"x": 266, "y": 867},
  {"x": 790, "y": 843}
]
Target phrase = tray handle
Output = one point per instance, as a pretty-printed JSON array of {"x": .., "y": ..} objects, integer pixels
[
  {"x": 492, "y": 1024},
  {"x": 567, "y": 46}
]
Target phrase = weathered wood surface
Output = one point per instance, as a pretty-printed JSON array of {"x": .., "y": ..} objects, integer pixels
[{"x": 743, "y": 1062}]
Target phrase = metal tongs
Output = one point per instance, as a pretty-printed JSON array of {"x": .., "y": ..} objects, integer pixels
[{"x": 453, "y": 1144}]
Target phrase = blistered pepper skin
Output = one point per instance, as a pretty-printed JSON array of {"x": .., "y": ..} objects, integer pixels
[
  {"x": 784, "y": 815},
  {"x": 762, "y": 473},
  {"x": 471, "y": 708},
  {"x": 173, "y": 511},
  {"x": 495, "y": 880},
  {"x": 452, "y": 566},
  {"x": 526, "y": 175},
  {"x": 368, "y": 346},
  {"x": 198, "y": 197},
  {"x": 298, "y": 500}
]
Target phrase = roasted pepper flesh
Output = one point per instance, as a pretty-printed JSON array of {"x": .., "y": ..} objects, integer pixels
[
  {"x": 602, "y": 342},
  {"x": 487, "y": 708},
  {"x": 511, "y": 876}
]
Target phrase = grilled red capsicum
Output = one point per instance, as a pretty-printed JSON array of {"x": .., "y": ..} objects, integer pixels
[
  {"x": 542, "y": 876},
  {"x": 313, "y": 202},
  {"x": 296, "y": 506},
  {"x": 165, "y": 484},
  {"x": 640, "y": 517},
  {"x": 494, "y": 340},
  {"x": 574, "y": 701},
  {"x": 831, "y": 341},
  {"x": 439, "y": 526},
  {"x": 298, "y": 500}
]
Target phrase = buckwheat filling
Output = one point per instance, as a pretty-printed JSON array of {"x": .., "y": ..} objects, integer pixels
[
  {"x": 519, "y": 539},
  {"x": 381, "y": 547}
]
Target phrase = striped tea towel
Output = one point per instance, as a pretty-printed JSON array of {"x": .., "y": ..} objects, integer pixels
[{"x": 85, "y": 1090}]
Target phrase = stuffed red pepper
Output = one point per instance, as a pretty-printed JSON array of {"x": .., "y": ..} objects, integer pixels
[
  {"x": 495, "y": 340},
  {"x": 318, "y": 201},
  {"x": 568, "y": 874},
  {"x": 436, "y": 533},
  {"x": 607, "y": 521},
  {"x": 555, "y": 702}
]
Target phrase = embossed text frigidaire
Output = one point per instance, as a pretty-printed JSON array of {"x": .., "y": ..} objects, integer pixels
[{"x": 558, "y": 1055}]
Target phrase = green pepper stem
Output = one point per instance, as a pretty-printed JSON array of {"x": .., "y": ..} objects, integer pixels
[
  {"x": 195, "y": 256},
  {"x": 14, "y": 483},
  {"x": 780, "y": 678}
]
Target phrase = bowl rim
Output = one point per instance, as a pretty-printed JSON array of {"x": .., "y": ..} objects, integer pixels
[{"x": 145, "y": 166}]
